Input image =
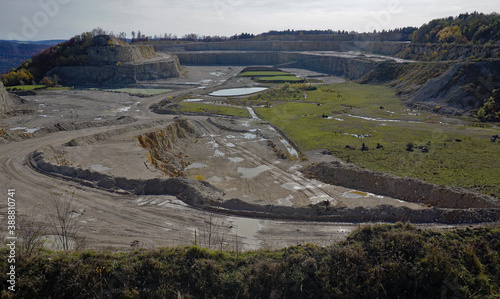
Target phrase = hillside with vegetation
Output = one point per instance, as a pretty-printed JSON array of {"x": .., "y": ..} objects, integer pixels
[
  {"x": 68, "y": 53},
  {"x": 380, "y": 261},
  {"x": 13, "y": 54},
  {"x": 475, "y": 28},
  {"x": 465, "y": 37}
]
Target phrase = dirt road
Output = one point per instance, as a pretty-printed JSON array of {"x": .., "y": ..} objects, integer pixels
[{"x": 240, "y": 163}]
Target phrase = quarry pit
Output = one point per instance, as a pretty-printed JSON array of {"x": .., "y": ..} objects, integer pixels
[{"x": 109, "y": 149}]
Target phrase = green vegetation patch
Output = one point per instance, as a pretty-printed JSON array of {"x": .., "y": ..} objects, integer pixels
[
  {"x": 263, "y": 74},
  {"x": 380, "y": 261},
  {"x": 24, "y": 87},
  {"x": 279, "y": 79},
  {"x": 35, "y": 87},
  {"x": 214, "y": 109},
  {"x": 140, "y": 91},
  {"x": 343, "y": 117}
]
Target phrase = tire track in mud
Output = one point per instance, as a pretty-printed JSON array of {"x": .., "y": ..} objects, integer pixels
[{"x": 293, "y": 183}]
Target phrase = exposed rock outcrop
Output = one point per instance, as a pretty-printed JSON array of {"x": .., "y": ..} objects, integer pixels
[
  {"x": 463, "y": 87},
  {"x": 163, "y": 147},
  {"x": 7, "y": 101},
  {"x": 384, "y": 48},
  {"x": 446, "y": 87},
  {"x": 349, "y": 65},
  {"x": 113, "y": 62}
]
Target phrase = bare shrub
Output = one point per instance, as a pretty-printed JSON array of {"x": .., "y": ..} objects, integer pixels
[
  {"x": 30, "y": 231},
  {"x": 64, "y": 221}
]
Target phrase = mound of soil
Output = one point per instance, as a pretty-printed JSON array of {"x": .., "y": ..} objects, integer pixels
[
  {"x": 165, "y": 150},
  {"x": 407, "y": 189}
]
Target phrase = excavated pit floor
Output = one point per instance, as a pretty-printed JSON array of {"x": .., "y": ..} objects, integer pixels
[{"x": 242, "y": 164}]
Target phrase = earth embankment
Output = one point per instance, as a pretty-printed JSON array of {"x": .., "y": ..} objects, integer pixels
[
  {"x": 7, "y": 101},
  {"x": 407, "y": 189},
  {"x": 469, "y": 208}
]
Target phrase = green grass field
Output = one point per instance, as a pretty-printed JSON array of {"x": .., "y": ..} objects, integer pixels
[
  {"x": 216, "y": 109},
  {"x": 279, "y": 79},
  {"x": 264, "y": 74},
  {"x": 140, "y": 91},
  {"x": 354, "y": 111},
  {"x": 33, "y": 87}
]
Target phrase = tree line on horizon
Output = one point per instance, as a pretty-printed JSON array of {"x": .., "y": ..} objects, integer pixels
[{"x": 474, "y": 28}]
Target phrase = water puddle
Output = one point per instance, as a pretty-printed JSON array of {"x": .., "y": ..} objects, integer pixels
[
  {"x": 287, "y": 201},
  {"x": 126, "y": 109},
  {"x": 29, "y": 131},
  {"x": 250, "y": 173},
  {"x": 358, "y": 136},
  {"x": 359, "y": 194},
  {"x": 293, "y": 152},
  {"x": 99, "y": 167},
  {"x": 253, "y": 114},
  {"x": 381, "y": 119},
  {"x": 249, "y": 136},
  {"x": 233, "y": 92},
  {"x": 236, "y": 160},
  {"x": 195, "y": 166},
  {"x": 219, "y": 154},
  {"x": 292, "y": 186},
  {"x": 246, "y": 228}
]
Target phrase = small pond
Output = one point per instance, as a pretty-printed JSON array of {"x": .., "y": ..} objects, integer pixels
[{"x": 233, "y": 92}]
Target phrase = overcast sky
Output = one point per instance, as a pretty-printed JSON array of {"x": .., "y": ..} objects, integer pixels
[{"x": 62, "y": 19}]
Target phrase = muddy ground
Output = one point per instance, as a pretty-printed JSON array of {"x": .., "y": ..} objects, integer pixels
[{"x": 102, "y": 127}]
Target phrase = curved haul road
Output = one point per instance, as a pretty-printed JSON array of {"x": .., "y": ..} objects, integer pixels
[{"x": 110, "y": 220}]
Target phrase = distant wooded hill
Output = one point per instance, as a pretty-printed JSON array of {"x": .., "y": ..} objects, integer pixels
[
  {"x": 13, "y": 53},
  {"x": 476, "y": 28}
]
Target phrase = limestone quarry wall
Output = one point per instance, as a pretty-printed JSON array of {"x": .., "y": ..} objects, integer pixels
[
  {"x": 383, "y": 48},
  {"x": 406, "y": 189},
  {"x": 115, "y": 54},
  {"x": 113, "y": 75},
  {"x": 349, "y": 67}
]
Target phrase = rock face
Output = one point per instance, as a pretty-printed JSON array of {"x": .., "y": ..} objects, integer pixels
[
  {"x": 113, "y": 62},
  {"x": 349, "y": 66},
  {"x": 384, "y": 48},
  {"x": 463, "y": 87},
  {"x": 6, "y": 101}
]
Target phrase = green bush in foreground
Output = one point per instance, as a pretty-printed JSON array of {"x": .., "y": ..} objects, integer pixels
[{"x": 395, "y": 261}]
